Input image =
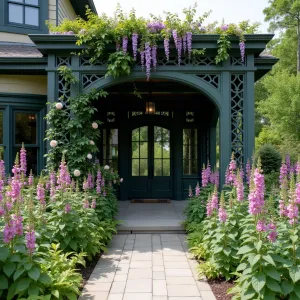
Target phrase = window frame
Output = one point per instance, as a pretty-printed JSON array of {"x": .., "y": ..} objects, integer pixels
[
  {"x": 186, "y": 127},
  {"x": 7, "y": 26}
]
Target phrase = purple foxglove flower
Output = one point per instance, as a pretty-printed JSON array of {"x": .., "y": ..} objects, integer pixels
[
  {"x": 248, "y": 172},
  {"x": 23, "y": 160},
  {"x": 272, "y": 236},
  {"x": 240, "y": 189},
  {"x": 288, "y": 162},
  {"x": 2, "y": 170},
  {"x": 90, "y": 181},
  {"x": 40, "y": 192},
  {"x": 94, "y": 204},
  {"x": 209, "y": 209},
  {"x": 135, "y": 37},
  {"x": 214, "y": 201},
  {"x": 98, "y": 182},
  {"x": 104, "y": 194},
  {"x": 256, "y": 194},
  {"x": 167, "y": 48},
  {"x": 282, "y": 209},
  {"x": 18, "y": 224},
  {"x": 297, "y": 168},
  {"x": 52, "y": 178},
  {"x": 30, "y": 241},
  {"x": 206, "y": 175},
  {"x": 9, "y": 232},
  {"x": 232, "y": 169},
  {"x": 222, "y": 215},
  {"x": 30, "y": 179},
  {"x": 283, "y": 174},
  {"x": 86, "y": 203},
  {"x": 261, "y": 226},
  {"x": 217, "y": 178},
  {"x": 2, "y": 211},
  {"x": 197, "y": 190},
  {"x": 190, "y": 192},
  {"x": 68, "y": 208},
  {"x": 297, "y": 193}
]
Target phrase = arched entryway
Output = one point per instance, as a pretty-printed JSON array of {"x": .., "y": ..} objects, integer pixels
[{"x": 159, "y": 154}]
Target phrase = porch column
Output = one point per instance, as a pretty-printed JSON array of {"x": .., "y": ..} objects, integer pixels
[
  {"x": 225, "y": 126},
  {"x": 249, "y": 112}
]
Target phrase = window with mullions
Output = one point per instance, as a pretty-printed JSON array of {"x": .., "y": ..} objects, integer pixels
[
  {"x": 1, "y": 136},
  {"x": 26, "y": 132},
  {"x": 24, "y": 12},
  {"x": 110, "y": 148},
  {"x": 190, "y": 152}
]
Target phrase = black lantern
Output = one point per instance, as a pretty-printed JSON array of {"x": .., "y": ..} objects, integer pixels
[
  {"x": 150, "y": 107},
  {"x": 150, "y": 104}
]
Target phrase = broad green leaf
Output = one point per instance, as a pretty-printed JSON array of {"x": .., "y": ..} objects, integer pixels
[
  {"x": 273, "y": 285},
  {"x": 245, "y": 249},
  {"x": 55, "y": 293},
  {"x": 293, "y": 296},
  {"x": 18, "y": 273},
  {"x": 241, "y": 267},
  {"x": 272, "y": 272},
  {"x": 23, "y": 284},
  {"x": 258, "y": 282},
  {"x": 286, "y": 287},
  {"x": 9, "y": 268},
  {"x": 295, "y": 273},
  {"x": 15, "y": 258},
  {"x": 71, "y": 296},
  {"x": 28, "y": 266},
  {"x": 73, "y": 245},
  {"x": 45, "y": 279},
  {"x": 269, "y": 295},
  {"x": 255, "y": 260},
  {"x": 258, "y": 245},
  {"x": 34, "y": 273},
  {"x": 269, "y": 259},
  {"x": 33, "y": 290},
  {"x": 248, "y": 294},
  {"x": 3, "y": 282},
  {"x": 12, "y": 291},
  {"x": 3, "y": 253},
  {"x": 297, "y": 290}
]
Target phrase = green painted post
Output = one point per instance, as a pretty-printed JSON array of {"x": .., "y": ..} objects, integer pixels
[
  {"x": 225, "y": 126},
  {"x": 177, "y": 158}
]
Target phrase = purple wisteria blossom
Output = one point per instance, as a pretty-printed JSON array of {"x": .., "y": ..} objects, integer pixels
[
  {"x": 179, "y": 49},
  {"x": 224, "y": 27},
  {"x": 242, "y": 50},
  {"x": 189, "y": 37},
  {"x": 167, "y": 48},
  {"x": 184, "y": 43},
  {"x": 148, "y": 60},
  {"x": 125, "y": 44},
  {"x": 135, "y": 37},
  {"x": 155, "y": 27},
  {"x": 154, "y": 57},
  {"x": 174, "y": 34},
  {"x": 142, "y": 53}
]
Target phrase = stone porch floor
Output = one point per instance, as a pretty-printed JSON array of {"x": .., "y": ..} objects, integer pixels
[
  {"x": 151, "y": 216},
  {"x": 146, "y": 267}
]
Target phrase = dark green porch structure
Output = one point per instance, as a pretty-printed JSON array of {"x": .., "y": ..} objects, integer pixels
[{"x": 160, "y": 152}]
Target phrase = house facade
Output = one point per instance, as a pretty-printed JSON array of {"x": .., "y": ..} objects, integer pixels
[{"x": 159, "y": 141}]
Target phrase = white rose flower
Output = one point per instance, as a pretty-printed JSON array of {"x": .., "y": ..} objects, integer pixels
[
  {"x": 106, "y": 167},
  {"x": 53, "y": 143},
  {"x": 77, "y": 173},
  {"x": 59, "y": 105},
  {"x": 121, "y": 179},
  {"x": 89, "y": 156},
  {"x": 92, "y": 143},
  {"x": 95, "y": 125}
]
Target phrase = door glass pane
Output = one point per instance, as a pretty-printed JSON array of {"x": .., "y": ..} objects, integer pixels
[
  {"x": 135, "y": 150},
  {"x": 32, "y": 2},
  {"x": 158, "y": 167},
  {"x": 111, "y": 148},
  {"x": 166, "y": 151},
  {"x": 143, "y": 167},
  {"x": 157, "y": 133},
  {"x": 20, "y": 1},
  {"x": 190, "y": 152},
  {"x": 1, "y": 127},
  {"x": 26, "y": 128},
  {"x": 144, "y": 133},
  {"x": 31, "y": 159},
  {"x": 135, "y": 135},
  {"x": 15, "y": 13},
  {"x": 165, "y": 134},
  {"x": 144, "y": 150},
  {"x": 166, "y": 167},
  {"x": 158, "y": 150},
  {"x": 135, "y": 167},
  {"x": 32, "y": 16}
]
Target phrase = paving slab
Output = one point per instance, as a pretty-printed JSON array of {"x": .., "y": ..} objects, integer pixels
[{"x": 146, "y": 267}]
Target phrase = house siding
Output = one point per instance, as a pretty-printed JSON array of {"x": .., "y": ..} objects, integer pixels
[
  {"x": 14, "y": 38},
  {"x": 52, "y": 12},
  {"x": 65, "y": 11},
  {"x": 23, "y": 84}
]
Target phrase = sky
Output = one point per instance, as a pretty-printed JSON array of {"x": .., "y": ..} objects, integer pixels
[{"x": 232, "y": 11}]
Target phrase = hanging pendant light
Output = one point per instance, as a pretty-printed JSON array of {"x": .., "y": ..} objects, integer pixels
[{"x": 150, "y": 105}]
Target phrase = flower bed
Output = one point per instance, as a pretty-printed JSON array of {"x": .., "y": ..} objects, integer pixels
[
  {"x": 248, "y": 236},
  {"x": 49, "y": 228}
]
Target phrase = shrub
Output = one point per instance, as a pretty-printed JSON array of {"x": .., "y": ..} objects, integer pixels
[{"x": 270, "y": 158}]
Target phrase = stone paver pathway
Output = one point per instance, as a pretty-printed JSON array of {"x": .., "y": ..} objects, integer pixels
[{"x": 146, "y": 267}]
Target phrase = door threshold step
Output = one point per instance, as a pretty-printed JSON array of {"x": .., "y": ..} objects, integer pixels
[
  {"x": 151, "y": 231},
  {"x": 150, "y": 201}
]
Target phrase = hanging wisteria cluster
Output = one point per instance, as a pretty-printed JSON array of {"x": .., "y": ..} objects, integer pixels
[{"x": 144, "y": 35}]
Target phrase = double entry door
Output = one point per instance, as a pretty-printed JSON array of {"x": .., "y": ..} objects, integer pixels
[{"x": 151, "y": 162}]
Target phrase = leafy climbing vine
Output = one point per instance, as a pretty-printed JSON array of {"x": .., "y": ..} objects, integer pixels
[{"x": 124, "y": 39}]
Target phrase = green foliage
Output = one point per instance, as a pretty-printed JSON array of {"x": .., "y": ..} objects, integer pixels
[
  {"x": 72, "y": 128},
  {"x": 119, "y": 64},
  {"x": 270, "y": 158},
  {"x": 224, "y": 45}
]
